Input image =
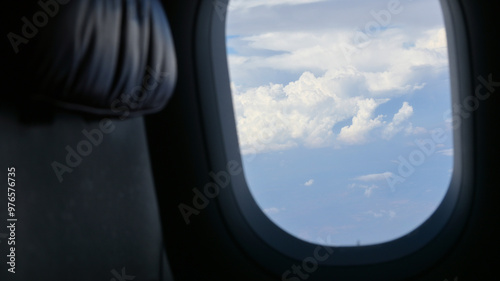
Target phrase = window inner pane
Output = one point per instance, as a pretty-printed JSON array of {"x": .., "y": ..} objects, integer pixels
[{"x": 341, "y": 110}]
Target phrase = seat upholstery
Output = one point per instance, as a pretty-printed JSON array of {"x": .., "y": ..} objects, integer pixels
[
  {"x": 102, "y": 216},
  {"x": 71, "y": 124},
  {"x": 113, "y": 57}
]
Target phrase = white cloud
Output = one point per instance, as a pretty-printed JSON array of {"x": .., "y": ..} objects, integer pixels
[
  {"x": 362, "y": 123},
  {"x": 446, "y": 152},
  {"x": 309, "y": 182},
  {"x": 236, "y": 60},
  {"x": 245, "y": 4},
  {"x": 382, "y": 213},
  {"x": 419, "y": 131},
  {"x": 374, "y": 177},
  {"x": 277, "y": 117},
  {"x": 398, "y": 122},
  {"x": 305, "y": 112},
  {"x": 368, "y": 189},
  {"x": 405, "y": 112},
  {"x": 327, "y": 87},
  {"x": 385, "y": 65},
  {"x": 436, "y": 40},
  {"x": 272, "y": 210}
]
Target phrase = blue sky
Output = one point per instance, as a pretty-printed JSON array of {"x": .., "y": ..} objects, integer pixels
[{"x": 336, "y": 104}]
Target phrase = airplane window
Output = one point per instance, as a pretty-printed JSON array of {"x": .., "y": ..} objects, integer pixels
[{"x": 343, "y": 112}]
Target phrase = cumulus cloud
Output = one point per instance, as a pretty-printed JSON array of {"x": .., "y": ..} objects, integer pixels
[
  {"x": 330, "y": 86},
  {"x": 309, "y": 182},
  {"x": 398, "y": 122},
  {"x": 305, "y": 112},
  {"x": 278, "y": 117},
  {"x": 362, "y": 123}
]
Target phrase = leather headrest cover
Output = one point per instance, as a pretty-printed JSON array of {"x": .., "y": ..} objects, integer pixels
[{"x": 106, "y": 57}]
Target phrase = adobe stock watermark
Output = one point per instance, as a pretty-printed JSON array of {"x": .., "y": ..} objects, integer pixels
[
  {"x": 201, "y": 199},
  {"x": 407, "y": 165},
  {"x": 30, "y": 28},
  {"x": 309, "y": 265},
  {"x": 462, "y": 111},
  {"x": 363, "y": 37},
  {"x": 121, "y": 277},
  {"x": 427, "y": 147},
  {"x": 94, "y": 137},
  {"x": 133, "y": 98}
]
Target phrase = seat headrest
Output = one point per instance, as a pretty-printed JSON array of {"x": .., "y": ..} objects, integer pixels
[{"x": 105, "y": 57}]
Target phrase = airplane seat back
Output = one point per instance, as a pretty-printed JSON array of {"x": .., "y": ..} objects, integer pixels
[{"x": 77, "y": 77}]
